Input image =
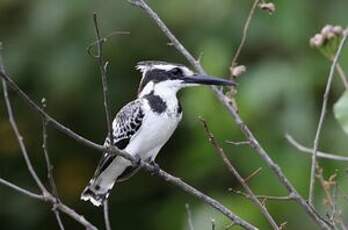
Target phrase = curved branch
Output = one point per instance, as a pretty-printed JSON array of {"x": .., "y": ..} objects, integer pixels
[
  {"x": 244, "y": 35},
  {"x": 305, "y": 149}
]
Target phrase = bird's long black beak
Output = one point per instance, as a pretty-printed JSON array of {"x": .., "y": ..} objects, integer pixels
[{"x": 207, "y": 80}]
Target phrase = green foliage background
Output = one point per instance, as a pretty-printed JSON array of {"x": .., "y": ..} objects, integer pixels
[{"x": 45, "y": 51}]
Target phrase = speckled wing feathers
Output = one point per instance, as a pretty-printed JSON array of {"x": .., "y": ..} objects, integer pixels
[{"x": 126, "y": 123}]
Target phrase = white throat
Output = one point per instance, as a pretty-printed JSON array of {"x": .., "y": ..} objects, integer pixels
[{"x": 167, "y": 92}]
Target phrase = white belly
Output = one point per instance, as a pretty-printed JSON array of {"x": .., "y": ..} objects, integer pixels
[{"x": 153, "y": 134}]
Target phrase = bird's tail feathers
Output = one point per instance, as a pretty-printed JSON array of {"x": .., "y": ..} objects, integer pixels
[{"x": 95, "y": 193}]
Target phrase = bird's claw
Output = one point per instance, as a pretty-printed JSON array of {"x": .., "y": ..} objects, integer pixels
[
  {"x": 137, "y": 162},
  {"x": 156, "y": 168}
]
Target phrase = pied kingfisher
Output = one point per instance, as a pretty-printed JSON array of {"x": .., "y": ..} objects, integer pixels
[{"x": 144, "y": 125}]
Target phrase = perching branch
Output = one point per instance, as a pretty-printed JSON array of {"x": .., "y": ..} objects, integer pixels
[
  {"x": 321, "y": 119},
  {"x": 305, "y": 149},
  {"x": 148, "y": 167},
  {"x": 235, "y": 115},
  {"x": 220, "y": 151}
]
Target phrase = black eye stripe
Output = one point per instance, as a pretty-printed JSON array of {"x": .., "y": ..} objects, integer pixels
[
  {"x": 158, "y": 75},
  {"x": 176, "y": 71}
]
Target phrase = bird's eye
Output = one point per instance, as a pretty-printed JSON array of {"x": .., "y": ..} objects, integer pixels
[{"x": 176, "y": 71}]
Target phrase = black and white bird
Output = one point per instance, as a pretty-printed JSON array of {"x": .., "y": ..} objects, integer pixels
[{"x": 144, "y": 125}]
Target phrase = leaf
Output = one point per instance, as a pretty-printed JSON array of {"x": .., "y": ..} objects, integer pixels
[{"x": 341, "y": 111}]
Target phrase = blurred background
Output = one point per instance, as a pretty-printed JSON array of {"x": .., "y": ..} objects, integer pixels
[{"x": 45, "y": 45}]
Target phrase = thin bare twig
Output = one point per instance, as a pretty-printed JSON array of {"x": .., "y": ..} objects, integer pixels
[
  {"x": 18, "y": 134},
  {"x": 334, "y": 212},
  {"x": 189, "y": 217},
  {"x": 213, "y": 227},
  {"x": 148, "y": 167},
  {"x": 263, "y": 197},
  {"x": 338, "y": 67},
  {"x": 321, "y": 120},
  {"x": 103, "y": 69},
  {"x": 253, "y": 174},
  {"x": 305, "y": 149},
  {"x": 49, "y": 167},
  {"x": 102, "y": 40},
  {"x": 220, "y": 151},
  {"x": 342, "y": 75},
  {"x": 73, "y": 214},
  {"x": 283, "y": 225},
  {"x": 174, "y": 41},
  {"x": 21, "y": 190},
  {"x": 244, "y": 35},
  {"x": 235, "y": 115},
  {"x": 238, "y": 142},
  {"x": 58, "y": 218},
  {"x": 106, "y": 215},
  {"x": 229, "y": 226}
]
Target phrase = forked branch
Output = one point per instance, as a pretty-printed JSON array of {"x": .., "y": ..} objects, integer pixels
[{"x": 45, "y": 196}]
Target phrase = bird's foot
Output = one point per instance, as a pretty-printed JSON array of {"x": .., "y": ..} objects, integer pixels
[
  {"x": 156, "y": 168},
  {"x": 137, "y": 163}
]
